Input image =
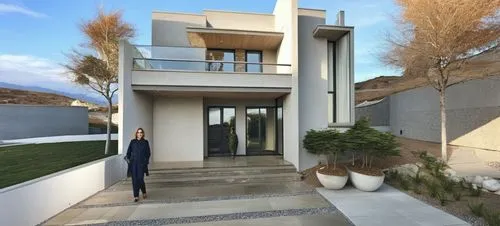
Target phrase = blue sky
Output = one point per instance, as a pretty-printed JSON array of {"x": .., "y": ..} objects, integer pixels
[{"x": 35, "y": 34}]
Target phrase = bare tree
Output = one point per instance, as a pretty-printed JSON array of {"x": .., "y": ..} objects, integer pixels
[
  {"x": 437, "y": 37},
  {"x": 100, "y": 72}
]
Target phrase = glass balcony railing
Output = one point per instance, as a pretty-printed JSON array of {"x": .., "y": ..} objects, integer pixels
[{"x": 161, "y": 58}]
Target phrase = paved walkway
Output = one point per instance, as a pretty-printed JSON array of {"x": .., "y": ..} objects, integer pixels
[
  {"x": 387, "y": 207},
  {"x": 219, "y": 192}
]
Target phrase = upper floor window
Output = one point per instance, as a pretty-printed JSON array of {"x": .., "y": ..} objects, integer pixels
[
  {"x": 220, "y": 60},
  {"x": 254, "y": 61}
]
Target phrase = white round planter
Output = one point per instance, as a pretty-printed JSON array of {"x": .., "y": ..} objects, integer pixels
[
  {"x": 332, "y": 182},
  {"x": 366, "y": 182}
]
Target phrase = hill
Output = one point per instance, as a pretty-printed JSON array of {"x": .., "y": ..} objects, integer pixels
[
  {"x": 487, "y": 64},
  {"x": 15, "y": 96},
  {"x": 77, "y": 96}
]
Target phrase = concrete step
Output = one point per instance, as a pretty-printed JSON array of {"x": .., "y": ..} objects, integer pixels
[
  {"x": 255, "y": 179},
  {"x": 167, "y": 174},
  {"x": 228, "y": 177},
  {"x": 221, "y": 169},
  {"x": 190, "y": 193}
]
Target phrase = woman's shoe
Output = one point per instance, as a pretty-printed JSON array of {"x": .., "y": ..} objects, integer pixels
[
  {"x": 136, "y": 199},
  {"x": 144, "y": 196}
]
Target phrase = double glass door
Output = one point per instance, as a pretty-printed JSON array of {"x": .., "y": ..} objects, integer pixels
[
  {"x": 264, "y": 131},
  {"x": 220, "y": 120}
]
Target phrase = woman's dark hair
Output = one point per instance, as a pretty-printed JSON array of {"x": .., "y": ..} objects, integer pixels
[{"x": 143, "y": 133}]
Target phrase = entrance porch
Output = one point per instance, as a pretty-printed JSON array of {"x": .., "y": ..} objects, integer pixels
[{"x": 193, "y": 126}]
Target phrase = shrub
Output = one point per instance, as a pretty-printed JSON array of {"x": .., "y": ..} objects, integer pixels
[
  {"x": 416, "y": 189},
  {"x": 441, "y": 196},
  {"x": 369, "y": 143},
  {"x": 475, "y": 192},
  {"x": 433, "y": 188},
  {"x": 431, "y": 163},
  {"x": 393, "y": 174},
  {"x": 233, "y": 141},
  {"x": 325, "y": 142},
  {"x": 457, "y": 195},
  {"x": 417, "y": 179},
  {"x": 404, "y": 183},
  {"x": 493, "y": 219},
  {"x": 476, "y": 209},
  {"x": 464, "y": 184},
  {"x": 447, "y": 184}
]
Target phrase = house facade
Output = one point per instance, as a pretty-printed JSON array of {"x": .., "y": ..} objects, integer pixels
[{"x": 270, "y": 77}]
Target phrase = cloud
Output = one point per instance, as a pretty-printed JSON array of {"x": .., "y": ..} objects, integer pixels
[
  {"x": 29, "y": 70},
  {"x": 9, "y": 8}
]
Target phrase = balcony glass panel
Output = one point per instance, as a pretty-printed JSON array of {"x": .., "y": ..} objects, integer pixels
[{"x": 164, "y": 58}]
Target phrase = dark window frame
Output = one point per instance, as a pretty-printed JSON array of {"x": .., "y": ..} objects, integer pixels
[
  {"x": 332, "y": 60},
  {"x": 261, "y": 69},
  {"x": 225, "y": 50},
  {"x": 221, "y": 121}
]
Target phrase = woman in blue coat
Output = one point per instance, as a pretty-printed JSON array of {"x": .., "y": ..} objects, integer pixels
[{"x": 138, "y": 154}]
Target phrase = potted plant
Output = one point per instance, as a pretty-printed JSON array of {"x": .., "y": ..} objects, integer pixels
[
  {"x": 233, "y": 141},
  {"x": 327, "y": 143},
  {"x": 368, "y": 144}
]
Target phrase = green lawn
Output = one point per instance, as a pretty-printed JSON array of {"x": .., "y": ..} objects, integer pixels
[{"x": 25, "y": 162}]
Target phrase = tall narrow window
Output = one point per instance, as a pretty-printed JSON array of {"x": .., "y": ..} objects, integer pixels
[
  {"x": 332, "y": 97},
  {"x": 254, "y": 60}
]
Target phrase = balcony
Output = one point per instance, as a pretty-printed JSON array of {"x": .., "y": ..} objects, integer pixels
[
  {"x": 161, "y": 58},
  {"x": 161, "y": 67}
]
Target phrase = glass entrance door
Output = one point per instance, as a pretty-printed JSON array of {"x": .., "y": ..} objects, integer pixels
[
  {"x": 261, "y": 131},
  {"x": 220, "y": 119}
]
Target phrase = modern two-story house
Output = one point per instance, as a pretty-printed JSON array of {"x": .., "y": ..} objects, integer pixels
[{"x": 270, "y": 77}]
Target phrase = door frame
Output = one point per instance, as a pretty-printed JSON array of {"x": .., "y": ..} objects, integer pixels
[
  {"x": 221, "y": 107},
  {"x": 276, "y": 152}
]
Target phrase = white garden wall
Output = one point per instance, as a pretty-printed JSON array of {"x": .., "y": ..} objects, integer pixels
[{"x": 35, "y": 201}]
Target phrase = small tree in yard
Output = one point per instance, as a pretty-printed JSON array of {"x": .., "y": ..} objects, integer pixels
[
  {"x": 368, "y": 143},
  {"x": 436, "y": 38},
  {"x": 325, "y": 142},
  {"x": 99, "y": 72}
]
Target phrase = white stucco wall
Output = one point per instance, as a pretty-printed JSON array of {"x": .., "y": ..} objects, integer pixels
[
  {"x": 135, "y": 109},
  {"x": 285, "y": 20},
  {"x": 240, "y": 20},
  {"x": 178, "y": 129},
  {"x": 35, "y": 201},
  {"x": 313, "y": 80}
]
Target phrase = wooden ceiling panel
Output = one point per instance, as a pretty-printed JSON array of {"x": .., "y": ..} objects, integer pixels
[{"x": 230, "y": 39}]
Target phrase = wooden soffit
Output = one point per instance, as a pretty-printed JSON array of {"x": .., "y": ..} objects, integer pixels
[{"x": 233, "y": 39}]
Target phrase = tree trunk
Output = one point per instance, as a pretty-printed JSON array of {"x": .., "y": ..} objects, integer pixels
[
  {"x": 334, "y": 161},
  {"x": 444, "y": 143},
  {"x": 108, "y": 132}
]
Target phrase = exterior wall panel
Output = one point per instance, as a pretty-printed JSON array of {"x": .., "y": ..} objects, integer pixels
[
  {"x": 313, "y": 82},
  {"x": 178, "y": 129},
  {"x": 27, "y": 121}
]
